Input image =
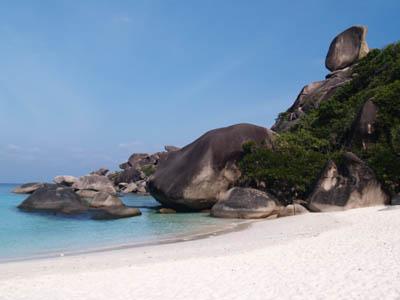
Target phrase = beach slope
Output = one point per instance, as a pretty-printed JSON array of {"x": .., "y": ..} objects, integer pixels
[{"x": 339, "y": 255}]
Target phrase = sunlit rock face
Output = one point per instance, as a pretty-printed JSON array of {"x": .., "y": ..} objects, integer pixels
[
  {"x": 192, "y": 178},
  {"x": 352, "y": 184}
]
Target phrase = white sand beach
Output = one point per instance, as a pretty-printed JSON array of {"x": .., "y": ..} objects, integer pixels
[{"x": 341, "y": 255}]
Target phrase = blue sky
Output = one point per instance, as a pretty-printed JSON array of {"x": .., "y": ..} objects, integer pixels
[{"x": 84, "y": 84}]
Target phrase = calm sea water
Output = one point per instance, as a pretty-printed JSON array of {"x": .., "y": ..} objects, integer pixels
[{"x": 35, "y": 234}]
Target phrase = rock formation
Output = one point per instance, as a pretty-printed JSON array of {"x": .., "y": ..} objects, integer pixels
[
  {"x": 54, "y": 199},
  {"x": 352, "y": 184},
  {"x": 192, "y": 177},
  {"x": 344, "y": 51},
  {"x": 96, "y": 183},
  {"x": 246, "y": 203},
  {"x": 346, "y": 48},
  {"x": 28, "y": 188},
  {"x": 65, "y": 180}
]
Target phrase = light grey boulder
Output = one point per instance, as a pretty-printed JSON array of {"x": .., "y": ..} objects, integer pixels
[
  {"x": 66, "y": 180},
  {"x": 191, "y": 178},
  {"x": 292, "y": 210},
  {"x": 346, "y": 48},
  {"x": 350, "y": 185},
  {"x": 103, "y": 199},
  {"x": 87, "y": 193},
  {"x": 96, "y": 183},
  {"x": 246, "y": 203},
  {"x": 170, "y": 148},
  {"x": 130, "y": 188},
  {"x": 28, "y": 188}
]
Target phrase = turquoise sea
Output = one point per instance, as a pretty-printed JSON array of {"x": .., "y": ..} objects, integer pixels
[{"x": 29, "y": 235}]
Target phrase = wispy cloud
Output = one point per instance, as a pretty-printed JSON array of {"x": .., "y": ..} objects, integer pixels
[
  {"x": 123, "y": 19},
  {"x": 131, "y": 144}
]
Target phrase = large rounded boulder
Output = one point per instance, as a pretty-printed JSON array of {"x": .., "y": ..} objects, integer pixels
[
  {"x": 246, "y": 203},
  {"x": 54, "y": 199},
  {"x": 346, "y": 48},
  {"x": 192, "y": 178},
  {"x": 351, "y": 184}
]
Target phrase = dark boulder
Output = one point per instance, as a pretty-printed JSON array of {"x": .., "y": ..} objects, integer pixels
[
  {"x": 246, "y": 203},
  {"x": 96, "y": 183},
  {"x": 119, "y": 212},
  {"x": 100, "y": 172},
  {"x": 138, "y": 160},
  {"x": 54, "y": 199},
  {"x": 395, "y": 200},
  {"x": 192, "y": 177},
  {"x": 363, "y": 131},
  {"x": 346, "y": 48},
  {"x": 127, "y": 176},
  {"x": 352, "y": 184}
]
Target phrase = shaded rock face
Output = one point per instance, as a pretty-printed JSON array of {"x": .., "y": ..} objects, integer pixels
[
  {"x": 346, "y": 48},
  {"x": 112, "y": 213},
  {"x": 395, "y": 200},
  {"x": 192, "y": 177},
  {"x": 245, "y": 203},
  {"x": 127, "y": 176},
  {"x": 363, "y": 129},
  {"x": 96, "y": 183},
  {"x": 54, "y": 199},
  {"x": 310, "y": 98},
  {"x": 350, "y": 185}
]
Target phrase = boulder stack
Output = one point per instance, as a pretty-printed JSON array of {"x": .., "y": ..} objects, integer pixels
[{"x": 345, "y": 50}]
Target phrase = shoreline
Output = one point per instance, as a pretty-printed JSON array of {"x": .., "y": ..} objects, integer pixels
[
  {"x": 196, "y": 235},
  {"x": 349, "y": 255}
]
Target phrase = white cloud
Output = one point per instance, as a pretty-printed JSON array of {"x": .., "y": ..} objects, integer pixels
[
  {"x": 130, "y": 144},
  {"x": 123, "y": 19},
  {"x": 13, "y": 147}
]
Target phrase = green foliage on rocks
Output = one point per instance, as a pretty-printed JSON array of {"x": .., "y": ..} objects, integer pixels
[{"x": 290, "y": 169}]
